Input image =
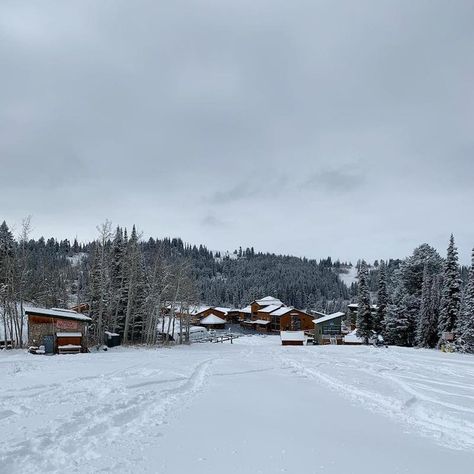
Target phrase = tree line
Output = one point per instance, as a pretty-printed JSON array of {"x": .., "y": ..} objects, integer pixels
[
  {"x": 126, "y": 281},
  {"x": 423, "y": 301}
]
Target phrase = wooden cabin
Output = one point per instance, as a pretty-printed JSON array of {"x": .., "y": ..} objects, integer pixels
[
  {"x": 58, "y": 330},
  {"x": 213, "y": 322},
  {"x": 292, "y": 338},
  {"x": 328, "y": 329}
]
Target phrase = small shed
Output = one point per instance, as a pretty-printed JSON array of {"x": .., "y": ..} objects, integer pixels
[
  {"x": 111, "y": 339},
  {"x": 292, "y": 338},
  {"x": 213, "y": 322},
  {"x": 328, "y": 329},
  {"x": 58, "y": 330}
]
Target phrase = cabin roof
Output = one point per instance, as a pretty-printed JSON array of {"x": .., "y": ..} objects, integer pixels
[
  {"x": 282, "y": 310},
  {"x": 222, "y": 309},
  {"x": 268, "y": 300},
  {"x": 247, "y": 309},
  {"x": 328, "y": 317},
  {"x": 212, "y": 319},
  {"x": 261, "y": 321},
  {"x": 356, "y": 305},
  {"x": 199, "y": 309},
  {"x": 58, "y": 313}
]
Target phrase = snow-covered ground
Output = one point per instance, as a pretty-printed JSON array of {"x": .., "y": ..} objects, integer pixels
[{"x": 250, "y": 407}]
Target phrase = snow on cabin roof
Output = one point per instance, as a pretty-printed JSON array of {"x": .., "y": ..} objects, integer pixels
[
  {"x": 58, "y": 313},
  {"x": 328, "y": 317},
  {"x": 261, "y": 321},
  {"x": 199, "y": 309},
  {"x": 270, "y": 308},
  {"x": 213, "y": 319},
  {"x": 247, "y": 309},
  {"x": 355, "y": 305},
  {"x": 222, "y": 309},
  {"x": 268, "y": 300},
  {"x": 69, "y": 334},
  {"x": 282, "y": 310},
  {"x": 292, "y": 335}
]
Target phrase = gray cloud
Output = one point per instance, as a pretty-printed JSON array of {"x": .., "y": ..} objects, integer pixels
[{"x": 157, "y": 113}]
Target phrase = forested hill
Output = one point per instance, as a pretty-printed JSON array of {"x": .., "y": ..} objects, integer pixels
[
  {"x": 245, "y": 275},
  {"x": 54, "y": 273},
  {"x": 238, "y": 278}
]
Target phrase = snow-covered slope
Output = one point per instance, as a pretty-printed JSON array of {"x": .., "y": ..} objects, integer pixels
[{"x": 250, "y": 407}]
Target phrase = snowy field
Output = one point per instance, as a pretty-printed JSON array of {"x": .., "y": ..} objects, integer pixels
[{"x": 250, "y": 407}]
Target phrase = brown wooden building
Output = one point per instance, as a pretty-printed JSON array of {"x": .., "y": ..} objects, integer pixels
[
  {"x": 289, "y": 319},
  {"x": 58, "y": 330},
  {"x": 292, "y": 338},
  {"x": 257, "y": 305}
]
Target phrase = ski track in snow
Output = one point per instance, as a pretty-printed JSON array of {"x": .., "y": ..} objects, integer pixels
[
  {"x": 403, "y": 387},
  {"x": 102, "y": 412},
  {"x": 112, "y": 411}
]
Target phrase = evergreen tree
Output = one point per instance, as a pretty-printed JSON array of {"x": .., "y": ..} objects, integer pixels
[
  {"x": 465, "y": 330},
  {"x": 426, "y": 330},
  {"x": 364, "y": 315},
  {"x": 397, "y": 321},
  {"x": 451, "y": 301},
  {"x": 382, "y": 299}
]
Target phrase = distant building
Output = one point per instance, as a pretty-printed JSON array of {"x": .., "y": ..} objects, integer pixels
[
  {"x": 292, "y": 338},
  {"x": 58, "y": 330},
  {"x": 257, "y": 305},
  {"x": 351, "y": 315},
  {"x": 213, "y": 322},
  {"x": 328, "y": 329}
]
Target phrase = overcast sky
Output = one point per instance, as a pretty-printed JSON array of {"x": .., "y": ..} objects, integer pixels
[{"x": 342, "y": 128}]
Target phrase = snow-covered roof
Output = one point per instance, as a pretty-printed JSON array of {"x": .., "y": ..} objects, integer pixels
[
  {"x": 270, "y": 308},
  {"x": 328, "y": 317},
  {"x": 292, "y": 335},
  {"x": 213, "y": 319},
  {"x": 58, "y": 313},
  {"x": 282, "y": 310},
  {"x": 198, "y": 309},
  {"x": 268, "y": 300},
  {"x": 222, "y": 309},
  {"x": 69, "y": 334},
  {"x": 247, "y": 309},
  {"x": 261, "y": 321},
  {"x": 355, "y": 306},
  {"x": 110, "y": 334}
]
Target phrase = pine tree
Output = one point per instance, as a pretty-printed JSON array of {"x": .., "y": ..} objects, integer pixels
[
  {"x": 451, "y": 301},
  {"x": 382, "y": 299},
  {"x": 426, "y": 330},
  {"x": 364, "y": 316},
  {"x": 397, "y": 321},
  {"x": 465, "y": 330}
]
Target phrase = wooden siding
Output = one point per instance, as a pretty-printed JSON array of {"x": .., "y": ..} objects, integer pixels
[
  {"x": 296, "y": 317},
  {"x": 41, "y": 326}
]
